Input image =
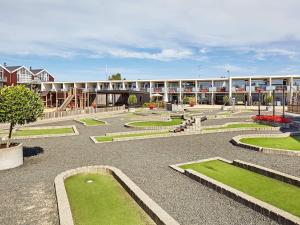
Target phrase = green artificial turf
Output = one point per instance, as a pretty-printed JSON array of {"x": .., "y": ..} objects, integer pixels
[
  {"x": 274, "y": 192},
  {"x": 172, "y": 122},
  {"x": 29, "y": 132},
  {"x": 238, "y": 125},
  {"x": 285, "y": 143},
  {"x": 102, "y": 202},
  {"x": 110, "y": 138},
  {"x": 92, "y": 122}
]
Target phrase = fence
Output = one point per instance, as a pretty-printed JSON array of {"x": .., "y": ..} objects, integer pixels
[{"x": 49, "y": 115}]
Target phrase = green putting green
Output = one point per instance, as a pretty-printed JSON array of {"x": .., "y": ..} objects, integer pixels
[
  {"x": 272, "y": 191},
  {"x": 98, "y": 199},
  {"x": 238, "y": 125},
  {"x": 284, "y": 143},
  {"x": 92, "y": 122},
  {"x": 110, "y": 138},
  {"x": 172, "y": 122},
  {"x": 48, "y": 131}
]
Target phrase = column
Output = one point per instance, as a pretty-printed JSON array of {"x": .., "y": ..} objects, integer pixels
[
  {"x": 270, "y": 86},
  {"x": 137, "y": 86},
  {"x": 196, "y": 91},
  {"x": 230, "y": 87},
  {"x": 75, "y": 93},
  {"x": 212, "y": 92},
  {"x": 150, "y": 88},
  {"x": 123, "y": 85},
  {"x": 250, "y": 92},
  {"x": 165, "y": 92},
  {"x": 180, "y": 91},
  {"x": 291, "y": 84}
]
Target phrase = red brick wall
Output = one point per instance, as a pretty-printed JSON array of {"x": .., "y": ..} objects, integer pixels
[
  {"x": 51, "y": 78},
  {"x": 11, "y": 78}
]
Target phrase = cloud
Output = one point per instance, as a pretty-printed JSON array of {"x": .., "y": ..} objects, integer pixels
[{"x": 157, "y": 30}]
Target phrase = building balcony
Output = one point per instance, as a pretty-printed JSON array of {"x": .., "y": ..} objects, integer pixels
[
  {"x": 173, "y": 90},
  {"x": 189, "y": 90},
  {"x": 203, "y": 90},
  {"x": 221, "y": 89},
  {"x": 158, "y": 90},
  {"x": 238, "y": 89}
]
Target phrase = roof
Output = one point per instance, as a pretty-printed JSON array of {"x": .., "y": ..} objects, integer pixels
[
  {"x": 12, "y": 68},
  {"x": 36, "y": 71}
]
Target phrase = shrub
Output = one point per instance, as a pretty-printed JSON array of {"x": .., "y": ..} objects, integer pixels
[
  {"x": 225, "y": 100},
  {"x": 132, "y": 100},
  {"x": 268, "y": 100},
  {"x": 192, "y": 101},
  {"x": 271, "y": 118},
  {"x": 19, "y": 105},
  {"x": 185, "y": 100}
]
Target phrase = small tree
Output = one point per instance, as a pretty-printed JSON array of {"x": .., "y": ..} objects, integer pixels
[
  {"x": 268, "y": 100},
  {"x": 132, "y": 100},
  {"x": 19, "y": 105},
  {"x": 192, "y": 101},
  {"x": 225, "y": 100},
  {"x": 186, "y": 100}
]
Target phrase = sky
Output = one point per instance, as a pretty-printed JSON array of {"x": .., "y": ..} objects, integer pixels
[{"x": 142, "y": 39}]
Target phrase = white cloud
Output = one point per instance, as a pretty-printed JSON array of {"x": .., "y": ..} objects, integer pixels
[{"x": 170, "y": 28}]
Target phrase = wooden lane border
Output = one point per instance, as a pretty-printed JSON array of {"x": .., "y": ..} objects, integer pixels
[
  {"x": 157, "y": 214},
  {"x": 279, "y": 215}
]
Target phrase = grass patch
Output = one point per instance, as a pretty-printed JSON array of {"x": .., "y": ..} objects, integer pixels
[
  {"x": 226, "y": 113},
  {"x": 110, "y": 138},
  {"x": 238, "y": 125},
  {"x": 92, "y": 122},
  {"x": 274, "y": 192},
  {"x": 284, "y": 143},
  {"x": 103, "y": 201},
  {"x": 173, "y": 122},
  {"x": 29, "y": 132}
]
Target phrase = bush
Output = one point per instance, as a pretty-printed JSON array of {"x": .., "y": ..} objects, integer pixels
[
  {"x": 192, "y": 101},
  {"x": 225, "y": 100},
  {"x": 186, "y": 100},
  {"x": 268, "y": 100},
  {"x": 19, "y": 105},
  {"x": 132, "y": 100}
]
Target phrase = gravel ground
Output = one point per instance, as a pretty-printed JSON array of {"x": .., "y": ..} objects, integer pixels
[{"x": 28, "y": 195}]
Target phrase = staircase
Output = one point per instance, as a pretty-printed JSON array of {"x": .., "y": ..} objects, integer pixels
[{"x": 66, "y": 103}]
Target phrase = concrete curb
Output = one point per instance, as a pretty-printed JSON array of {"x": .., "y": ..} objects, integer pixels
[
  {"x": 279, "y": 215},
  {"x": 93, "y": 138},
  {"x": 151, "y": 127},
  {"x": 46, "y": 136},
  {"x": 234, "y": 129},
  {"x": 84, "y": 123},
  {"x": 236, "y": 141},
  {"x": 157, "y": 214}
]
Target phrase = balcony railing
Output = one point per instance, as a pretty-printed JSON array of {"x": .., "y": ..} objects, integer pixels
[
  {"x": 173, "y": 89},
  {"x": 203, "y": 90},
  {"x": 188, "y": 89},
  {"x": 158, "y": 90},
  {"x": 238, "y": 89},
  {"x": 221, "y": 89}
]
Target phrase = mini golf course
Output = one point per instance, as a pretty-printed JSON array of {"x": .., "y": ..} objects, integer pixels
[
  {"x": 272, "y": 191},
  {"x": 92, "y": 122},
  {"x": 283, "y": 143},
  {"x": 110, "y": 138},
  {"x": 237, "y": 125},
  {"x": 172, "y": 122},
  {"x": 100, "y": 199},
  {"x": 48, "y": 131}
]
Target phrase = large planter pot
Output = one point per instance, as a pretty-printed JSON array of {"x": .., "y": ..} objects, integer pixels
[{"x": 11, "y": 157}]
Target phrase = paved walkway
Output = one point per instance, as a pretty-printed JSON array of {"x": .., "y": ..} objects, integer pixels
[{"x": 28, "y": 195}]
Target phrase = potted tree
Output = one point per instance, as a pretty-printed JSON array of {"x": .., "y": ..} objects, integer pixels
[
  {"x": 132, "y": 100},
  {"x": 268, "y": 100},
  {"x": 18, "y": 106}
]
